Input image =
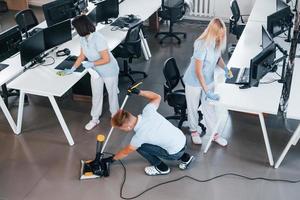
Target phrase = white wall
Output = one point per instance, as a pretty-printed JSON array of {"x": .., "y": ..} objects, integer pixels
[{"x": 222, "y": 8}]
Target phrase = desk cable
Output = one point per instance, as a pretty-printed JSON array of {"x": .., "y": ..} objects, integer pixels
[
  {"x": 53, "y": 61},
  {"x": 198, "y": 180}
]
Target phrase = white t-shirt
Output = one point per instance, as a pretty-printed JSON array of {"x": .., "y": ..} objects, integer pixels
[{"x": 153, "y": 128}]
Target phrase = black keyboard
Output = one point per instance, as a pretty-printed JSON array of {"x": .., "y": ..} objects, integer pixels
[
  {"x": 68, "y": 63},
  {"x": 243, "y": 76},
  {"x": 240, "y": 76},
  {"x": 3, "y": 66}
]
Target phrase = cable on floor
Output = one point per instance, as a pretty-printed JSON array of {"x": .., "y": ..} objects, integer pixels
[{"x": 196, "y": 180}]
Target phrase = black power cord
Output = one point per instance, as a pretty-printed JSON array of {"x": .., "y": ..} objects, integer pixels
[{"x": 197, "y": 180}]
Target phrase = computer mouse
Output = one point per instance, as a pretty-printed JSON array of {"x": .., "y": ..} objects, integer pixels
[{"x": 72, "y": 58}]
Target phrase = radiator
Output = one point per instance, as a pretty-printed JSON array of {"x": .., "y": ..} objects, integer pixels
[{"x": 203, "y": 8}]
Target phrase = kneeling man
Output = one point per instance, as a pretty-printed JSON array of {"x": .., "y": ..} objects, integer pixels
[{"x": 155, "y": 137}]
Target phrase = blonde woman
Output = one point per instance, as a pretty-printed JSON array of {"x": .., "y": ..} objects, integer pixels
[{"x": 199, "y": 79}]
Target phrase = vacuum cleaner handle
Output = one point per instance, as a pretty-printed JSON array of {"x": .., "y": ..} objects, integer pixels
[
  {"x": 112, "y": 128},
  {"x": 122, "y": 106},
  {"x": 100, "y": 140}
]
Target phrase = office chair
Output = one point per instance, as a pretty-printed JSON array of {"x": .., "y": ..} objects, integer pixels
[
  {"x": 176, "y": 98},
  {"x": 236, "y": 21},
  {"x": 129, "y": 49},
  {"x": 26, "y": 20},
  {"x": 172, "y": 14},
  {"x": 3, "y": 6}
]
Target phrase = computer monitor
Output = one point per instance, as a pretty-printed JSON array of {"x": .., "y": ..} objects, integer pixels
[
  {"x": 32, "y": 47},
  {"x": 80, "y": 6},
  {"x": 280, "y": 21},
  {"x": 261, "y": 64},
  {"x": 107, "y": 9},
  {"x": 58, "y": 11},
  {"x": 280, "y": 4},
  {"x": 9, "y": 42},
  {"x": 266, "y": 39},
  {"x": 57, "y": 34},
  {"x": 92, "y": 16}
]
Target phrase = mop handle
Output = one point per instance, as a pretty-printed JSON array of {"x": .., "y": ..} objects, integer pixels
[
  {"x": 112, "y": 128},
  {"x": 122, "y": 106}
]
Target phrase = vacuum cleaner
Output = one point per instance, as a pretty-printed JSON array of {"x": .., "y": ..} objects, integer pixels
[{"x": 100, "y": 167}]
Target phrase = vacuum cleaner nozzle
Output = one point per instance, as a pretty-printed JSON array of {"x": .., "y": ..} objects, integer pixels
[{"x": 96, "y": 168}]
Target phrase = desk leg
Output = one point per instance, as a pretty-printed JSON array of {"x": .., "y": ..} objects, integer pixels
[
  {"x": 20, "y": 112},
  {"x": 7, "y": 115},
  {"x": 266, "y": 138},
  {"x": 211, "y": 137},
  {"x": 61, "y": 120},
  {"x": 293, "y": 141},
  {"x": 145, "y": 46}
]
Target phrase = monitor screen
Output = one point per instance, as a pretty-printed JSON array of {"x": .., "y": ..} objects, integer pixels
[
  {"x": 266, "y": 38},
  {"x": 107, "y": 9},
  {"x": 58, "y": 11},
  {"x": 57, "y": 34},
  {"x": 9, "y": 42},
  {"x": 261, "y": 64},
  {"x": 112, "y": 8},
  {"x": 92, "y": 16},
  {"x": 280, "y": 4},
  {"x": 81, "y": 5},
  {"x": 32, "y": 47},
  {"x": 280, "y": 21}
]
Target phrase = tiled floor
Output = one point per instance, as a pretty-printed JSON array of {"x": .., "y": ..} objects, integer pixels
[{"x": 39, "y": 164}]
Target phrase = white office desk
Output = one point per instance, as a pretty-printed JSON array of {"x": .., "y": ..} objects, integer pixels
[
  {"x": 43, "y": 80},
  {"x": 138, "y": 8},
  {"x": 255, "y": 100},
  {"x": 6, "y": 75},
  {"x": 261, "y": 9},
  {"x": 293, "y": 110}
]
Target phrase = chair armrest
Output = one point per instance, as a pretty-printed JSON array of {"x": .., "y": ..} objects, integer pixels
[
  {"x": 242, "y": 17},
  {"x": 132, "y": 42}
]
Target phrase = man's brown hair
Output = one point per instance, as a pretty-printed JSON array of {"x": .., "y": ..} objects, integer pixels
[{"x": 119, "y": 118}]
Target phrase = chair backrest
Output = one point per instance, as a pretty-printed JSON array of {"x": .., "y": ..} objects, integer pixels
[
  {"x": 235, "y": 10},
  {"x": 172, "y": 10},
  {"x": 133, "y": 40},
  {"x": 171, "y": 73},
  {"x": 26, "y": 20}
]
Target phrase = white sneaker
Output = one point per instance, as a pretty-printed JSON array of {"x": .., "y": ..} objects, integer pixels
[
  {"x": 184, "y": 165},
  {"x": 220, "y": 140},
  {"x": 196, "y": 138},
  {"x": 89, "y": 126},
  {"x": 153, "y": 171},
  {"x": 94, "y": 74}
]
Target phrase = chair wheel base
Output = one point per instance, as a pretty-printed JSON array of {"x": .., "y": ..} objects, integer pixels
[{"x": 170, "y": 35}]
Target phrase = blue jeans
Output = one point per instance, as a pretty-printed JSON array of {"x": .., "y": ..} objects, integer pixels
[{"x": 152, "y": 153}]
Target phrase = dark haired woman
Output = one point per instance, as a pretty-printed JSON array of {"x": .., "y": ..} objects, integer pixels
[{"x": 102, "y": 66}]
